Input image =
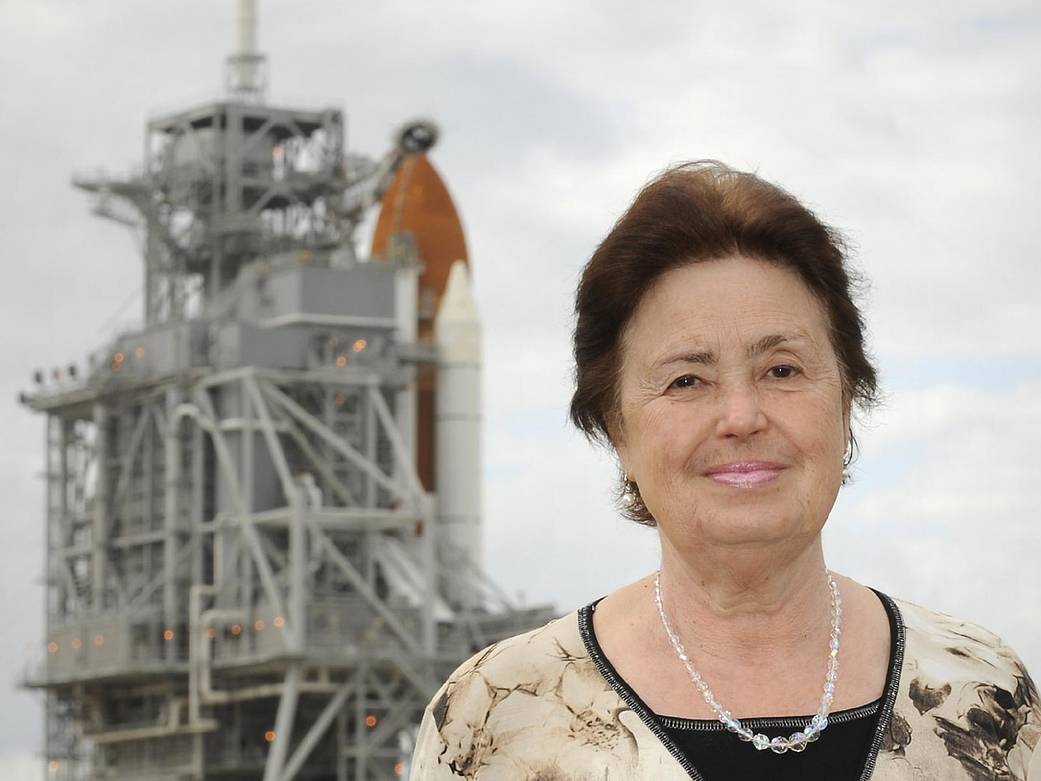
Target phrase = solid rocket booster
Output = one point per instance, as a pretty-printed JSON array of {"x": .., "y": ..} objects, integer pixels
[{"x": 457, "y": 334}]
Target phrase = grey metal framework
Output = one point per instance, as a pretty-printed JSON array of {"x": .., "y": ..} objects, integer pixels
[{"x": 243, "y": 573}]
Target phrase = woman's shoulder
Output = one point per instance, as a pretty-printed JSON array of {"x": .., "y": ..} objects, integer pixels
[
  {"x": 955, "y": 647},
  {"x": 964, "y": 696},
  {"x": 521, "y": 660},
  {"x": 532, "y": 705}
]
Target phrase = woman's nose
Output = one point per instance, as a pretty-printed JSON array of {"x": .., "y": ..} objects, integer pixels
[{"x": 740, "y": 414}]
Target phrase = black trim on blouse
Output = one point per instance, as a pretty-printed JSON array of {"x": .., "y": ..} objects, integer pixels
[{"x": 846, "y": 751}]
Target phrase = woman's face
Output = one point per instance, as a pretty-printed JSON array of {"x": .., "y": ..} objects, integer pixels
[{"x": 733, "y": 422}]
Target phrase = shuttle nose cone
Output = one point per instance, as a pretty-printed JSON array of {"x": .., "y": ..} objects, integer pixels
[{"x": 417, "y": 202}]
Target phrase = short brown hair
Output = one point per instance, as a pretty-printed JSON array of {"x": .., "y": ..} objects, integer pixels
[{"x": 696, "y": 211}]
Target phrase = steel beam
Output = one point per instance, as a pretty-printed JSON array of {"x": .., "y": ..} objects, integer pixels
[
  {"x": 318, "y": 729},
  {"x": 348, "y": 452},
  {"x": 284, "y": 723}
]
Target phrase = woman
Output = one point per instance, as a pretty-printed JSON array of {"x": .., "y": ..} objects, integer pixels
[{"x": 719, "y": 353}]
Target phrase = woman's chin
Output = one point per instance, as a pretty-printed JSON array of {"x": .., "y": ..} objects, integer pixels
[{"x": 738, "y": 529}]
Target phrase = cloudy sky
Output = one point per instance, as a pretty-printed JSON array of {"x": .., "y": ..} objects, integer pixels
[{"x": 913, "y": 130}]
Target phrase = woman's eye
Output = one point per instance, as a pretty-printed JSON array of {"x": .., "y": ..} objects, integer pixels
[
  {"x": 783, "y": 372},
  {"x": 686, "y": 381}
]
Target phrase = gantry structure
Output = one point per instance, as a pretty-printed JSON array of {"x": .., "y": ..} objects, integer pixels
[{"x": 246, "y": 576}]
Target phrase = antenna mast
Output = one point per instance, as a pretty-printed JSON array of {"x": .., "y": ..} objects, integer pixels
[{"x": 246, "y": 70}]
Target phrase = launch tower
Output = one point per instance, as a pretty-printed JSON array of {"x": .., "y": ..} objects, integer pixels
[{"x": 262, "y": 506}]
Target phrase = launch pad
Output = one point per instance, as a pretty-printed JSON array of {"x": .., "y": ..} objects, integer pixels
[{"x": 263, "y": 507}]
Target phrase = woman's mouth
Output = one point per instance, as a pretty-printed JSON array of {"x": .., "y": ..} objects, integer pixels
[{"x": 745, "y": 474}]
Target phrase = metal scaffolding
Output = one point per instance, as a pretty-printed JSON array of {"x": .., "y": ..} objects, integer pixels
[{"x": 244, "y": 577}]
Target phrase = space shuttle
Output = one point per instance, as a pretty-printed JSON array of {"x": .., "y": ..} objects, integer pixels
[{"x": 435, "y": 307}]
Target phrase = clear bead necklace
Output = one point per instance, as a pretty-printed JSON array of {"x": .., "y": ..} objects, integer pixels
[{"x": 797, "y": 741}]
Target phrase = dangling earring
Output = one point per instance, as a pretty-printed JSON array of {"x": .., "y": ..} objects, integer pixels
[
  {"x": 630, "y": 491},
  {"x": 847, "y": 459}
]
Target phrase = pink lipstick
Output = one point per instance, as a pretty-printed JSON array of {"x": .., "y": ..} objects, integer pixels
[{"x": 745, "y": 474}]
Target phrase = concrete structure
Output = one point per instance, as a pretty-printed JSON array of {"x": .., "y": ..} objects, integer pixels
[{"x": 244, "y": 573}]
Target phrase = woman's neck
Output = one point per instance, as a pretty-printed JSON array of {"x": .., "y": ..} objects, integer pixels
[{"x": 747, "y": 606}]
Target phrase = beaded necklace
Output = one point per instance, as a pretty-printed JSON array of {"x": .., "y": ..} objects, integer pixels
[{"x": 797, "y": 741}]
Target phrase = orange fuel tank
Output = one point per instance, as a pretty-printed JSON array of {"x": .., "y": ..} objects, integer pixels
[{"x": 418, "y": 204}]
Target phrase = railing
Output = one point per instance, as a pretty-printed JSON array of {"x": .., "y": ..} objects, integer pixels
[{"x": 108, "y": 646}]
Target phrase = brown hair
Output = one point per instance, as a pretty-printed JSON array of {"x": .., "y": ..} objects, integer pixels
[{"x": 691, "y": 212}]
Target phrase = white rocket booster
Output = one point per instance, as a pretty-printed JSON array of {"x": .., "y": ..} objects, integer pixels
[{"x": 457, "y": 334}]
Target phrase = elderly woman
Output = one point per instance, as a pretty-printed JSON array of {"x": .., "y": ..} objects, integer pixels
[{"x": 719, "y": 352}]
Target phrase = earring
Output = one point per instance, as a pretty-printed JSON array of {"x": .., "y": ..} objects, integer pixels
[
  {"x": 847, "y": 458},
  {"x": 630, "y": 491}
]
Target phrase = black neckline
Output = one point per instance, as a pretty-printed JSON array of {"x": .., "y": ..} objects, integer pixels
[{"x": 657, "y": 724}]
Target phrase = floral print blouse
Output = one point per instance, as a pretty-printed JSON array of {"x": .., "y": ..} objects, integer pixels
[{"x": 958, "y": 706}]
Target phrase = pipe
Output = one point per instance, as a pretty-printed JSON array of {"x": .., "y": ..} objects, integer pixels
[
  {"x": 171, "y": 513},
  {"x": 172, "y": 726},
  {"x": 206, "y": 620}
]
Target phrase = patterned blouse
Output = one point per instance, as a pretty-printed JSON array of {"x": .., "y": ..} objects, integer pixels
[{"x": 957, "y": 706}]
